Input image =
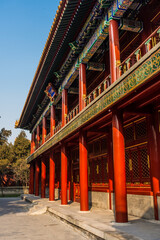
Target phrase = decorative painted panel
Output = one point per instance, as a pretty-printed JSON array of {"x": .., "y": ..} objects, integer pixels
[{"x": 116, "y": 11}]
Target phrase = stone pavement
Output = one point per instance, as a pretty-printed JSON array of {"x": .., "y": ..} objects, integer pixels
[
  {"x": 97, "y": 223},
  {"x": 17, "y": 224}
]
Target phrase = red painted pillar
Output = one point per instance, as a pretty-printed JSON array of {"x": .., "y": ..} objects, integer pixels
[
  {"x": 37, "y": 172},
  {"x": 83, "y": 167},
  {"x": 52, "y": 120},
  {"x": 44, "y": 129},
  {"x": 114, "y": 49},
  {"x": 121, "y": 214},
  {"x": 38, "y": 135},
  {"x": 63, "y": 174},
  {"x": 32, "y": 142},
  {"x": 43, "y": 178},
  {"x": 69, "y": 176},
  {"x": 110, "y": 167},
  {"x": 51, "y": 177},
  {"x": 31, "y": 179},
  {"x": 64, "y": 106},
  {"x": 82, "y": 86},
  {"x": 154, "y": 158}
]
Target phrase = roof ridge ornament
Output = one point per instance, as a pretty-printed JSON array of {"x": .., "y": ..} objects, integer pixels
[{"x": 16, "y": 124}]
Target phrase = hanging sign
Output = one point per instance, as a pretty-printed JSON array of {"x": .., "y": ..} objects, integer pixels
[{"x": 50, "y": 91}]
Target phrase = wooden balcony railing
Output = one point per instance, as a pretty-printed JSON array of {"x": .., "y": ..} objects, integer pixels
[
  {"x": 98, "y": 90},
  {"x": 58, "y": 127},
  {"x": 133, "y": 58},
  {"x": 37, "y": 145},
  {"x": 143, "y": 49},
  {"x": 47, "y": 137},
  {"x": 72, "y": 113}
]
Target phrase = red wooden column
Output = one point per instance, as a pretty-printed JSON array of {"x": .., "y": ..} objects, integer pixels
[
  {"x": 31, "y": 179},
  {"x": 64, "y": 106},
  {"x": 44, "y": 129},
  {"x": 63, "y": 174},
  {"x": 51, "y": 177},
  {"x": 154, "y": 158},
  {"x": 52, "y": 120},
  {"x": 121, "y": 214},
  {"x": 83, "y": 167},
  {"x": 43, "y": 178},
  {"x": 110, "y": 167},
  {"x": 82, "y": 86},
  {"x": 38, "y": 135},
  {"x": 37, "y": 173},
  {"x": 32, "y": 142},
  {"x": 69, "y": 177},
  {"x": 114, "y": 49}
]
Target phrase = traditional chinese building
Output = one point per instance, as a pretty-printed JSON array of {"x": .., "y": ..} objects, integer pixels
[{"x": 93, "y": 108}]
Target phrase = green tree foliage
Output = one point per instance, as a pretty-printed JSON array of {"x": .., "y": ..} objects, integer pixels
[
  {"x": 21, "y": 151},
  {"x": 21, "y": 146},
  {"x": 4, "y": 134},
  {"x": 21, "y": 171},
  {"x": 6, "y": 158},
  {"x": 13, "y": 158}
]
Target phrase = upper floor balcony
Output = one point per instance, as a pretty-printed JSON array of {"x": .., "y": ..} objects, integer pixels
[{"x": 137, "y": 69}]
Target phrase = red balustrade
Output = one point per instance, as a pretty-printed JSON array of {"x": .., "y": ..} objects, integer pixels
[
  {"x": 142, "y": 50},
  {"x": 98, "y": 90}
]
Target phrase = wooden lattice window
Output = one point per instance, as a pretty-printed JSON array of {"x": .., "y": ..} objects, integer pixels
[
  {"x": 135, "y": 131},
  {"x": 97, "y": 147},
  {"x": 128, "y": 174},
  {"x": 104, "y": 145},
  {"x": 98, "y": 172},
  {"x": 137, "y": 165},
  {"x": 145, "y": 164},
  {"x": 140, "y": 129},
  {"x": 129, "y": 133}
]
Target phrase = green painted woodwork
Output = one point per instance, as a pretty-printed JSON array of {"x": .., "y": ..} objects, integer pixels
[{"x": 147, "y": 67}]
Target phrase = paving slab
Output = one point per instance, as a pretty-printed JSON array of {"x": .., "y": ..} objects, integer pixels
[
  {"x": 17, "y": 224},
  {"x": 98, "y": 223}
]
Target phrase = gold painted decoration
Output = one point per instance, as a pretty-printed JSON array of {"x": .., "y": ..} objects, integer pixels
[
  {"x": 97, "y": 169},
  {"x": 131, "y": 25},
  {"x": 148, "y": 161},
  {"x": 107, "y": 167},
  {"x": 130, "y": 164},
  {"x": 77, "y": 178}
]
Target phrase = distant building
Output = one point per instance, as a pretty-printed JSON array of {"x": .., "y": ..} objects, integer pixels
[{"x": 93, "y": 108}]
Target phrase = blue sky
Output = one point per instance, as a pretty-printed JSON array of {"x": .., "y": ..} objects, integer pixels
[{"x": 24, "y": 28}]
